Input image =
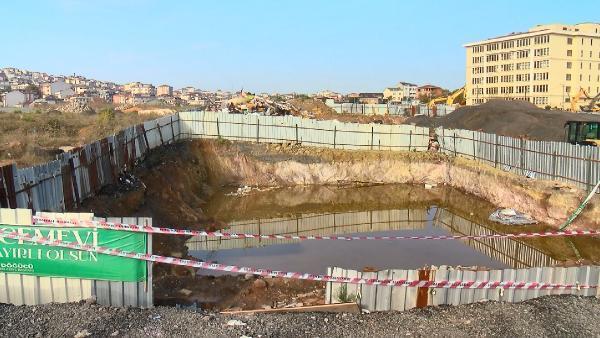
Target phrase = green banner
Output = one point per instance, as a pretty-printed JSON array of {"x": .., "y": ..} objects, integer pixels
[{"x": 42, "y": 260}]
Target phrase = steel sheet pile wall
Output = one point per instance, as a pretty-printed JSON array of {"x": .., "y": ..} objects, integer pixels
[
  {"x": 62, "y": 184},
  {"x": 384, "y": 298},
  {"x": 513, "y": 253},
  {"x": 22, "y": 289},
  {"x": 560, "y": 161},
  {"x": 312, "y": 224},
  {"x": 280, "y": 129},
  {"x": 391, "y": 109}
]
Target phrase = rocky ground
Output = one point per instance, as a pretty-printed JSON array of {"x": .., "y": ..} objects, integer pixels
[{"x": 548, "y": 316}]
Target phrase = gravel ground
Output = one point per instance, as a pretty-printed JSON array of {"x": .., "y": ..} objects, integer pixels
[{"x": 547, "y": 316}]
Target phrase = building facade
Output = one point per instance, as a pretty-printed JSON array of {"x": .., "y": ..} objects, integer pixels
[
  {"x": 545, "y": 65},
  {"x": 429, "y": 91},
  {"x": 404, "y": 91},
  {"x": 164, "y": 90}
]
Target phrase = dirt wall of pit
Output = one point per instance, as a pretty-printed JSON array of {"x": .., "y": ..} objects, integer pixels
[{"x": 287, "y": 165}]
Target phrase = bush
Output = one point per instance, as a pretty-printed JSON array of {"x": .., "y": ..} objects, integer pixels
[
  {"x": 547, "y": 107},
  {"x": 106, "y": 116},
  {"x": 343, "y": 295}
]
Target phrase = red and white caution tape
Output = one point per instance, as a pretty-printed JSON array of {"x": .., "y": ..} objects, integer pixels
[
  {"x": 43, "y": 220},
  {"x": 457, "y": 284}
]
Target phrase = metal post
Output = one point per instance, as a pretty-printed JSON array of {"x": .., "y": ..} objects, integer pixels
[
  {"x": 296, "y": 132},
  {"x": 590, "y": 184},
  {"x": 218, "y": 130},
  {"x": 334, "y": 135},
  {"x": 473, "y": 141},
  {"x": 371, "y": 138},
  {"x": 554, "y": 165},
  {"x": 495, "y": 150},
  {"x": 454, "y": 141},
  {"x": 257, "y": 130},
  {"x": 409, "y": 139},
  {"x": 521, "y": 158}
]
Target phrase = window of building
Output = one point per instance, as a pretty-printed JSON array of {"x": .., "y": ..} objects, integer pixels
[
  {"x": 569, "y": 65},
  {"x": 540, "y": 76},
  {"x": 522, "y": 53},
  {"x": 541, "y": 51},
  {"x": 541, "y": 64},
  {"x": 523, "y": 65},
  {"x": 569, "y": 41},
  {"x": 567, "y": 89},
  {"x": 569, "y": 52},
  {"x": 541, "y": 39},
  {"x": 568, "y": 78}
]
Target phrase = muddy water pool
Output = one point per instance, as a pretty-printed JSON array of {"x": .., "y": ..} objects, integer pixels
[{"x": 395, "y": 210}]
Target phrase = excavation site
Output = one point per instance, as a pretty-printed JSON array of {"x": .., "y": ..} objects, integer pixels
[{"x": 289, "y": 189}]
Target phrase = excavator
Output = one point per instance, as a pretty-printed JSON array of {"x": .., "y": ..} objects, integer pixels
[
  {"x": 580, "y": 95},
  {"x": 458, "y": 96}
]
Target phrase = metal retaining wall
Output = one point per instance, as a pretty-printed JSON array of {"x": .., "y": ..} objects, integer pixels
[
  {"x": 390, "y": 109},
  {"x": 309, "y": 132},
  {"x": 385, "y": 298},
  {"x": 62, "y": 184},
  {"x": 20, "y": 289},
  {"x": 549, "y": 160}
]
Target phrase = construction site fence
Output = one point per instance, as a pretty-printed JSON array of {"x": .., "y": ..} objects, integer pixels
[
  {"x": 551, "y": 160},
  {"x": 23, "y": 289},
  {"x": 62, "y": 184},
  {"x": 308, "y": 132},
  {"x": 398, "y": 298},
  {"x": 391, "y": 109}
]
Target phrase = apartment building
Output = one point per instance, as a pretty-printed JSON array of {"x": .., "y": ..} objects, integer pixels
[
  {"x": 544, "y": 65},
  {"x": 403, "y": 91},
  {"x": 164, "y": 90}
]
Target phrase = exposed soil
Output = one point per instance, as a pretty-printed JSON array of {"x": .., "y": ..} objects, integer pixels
[
  {"x": 287, "y": 165},
  {"x": 179, "y": 178},
  {"x": 509, "y": 118},
  {"x": 542, "y": 317}
]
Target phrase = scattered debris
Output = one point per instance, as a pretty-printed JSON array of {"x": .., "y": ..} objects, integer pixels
[
  {"x": 235, "y": 322},
  {"x": 246, "y": 190},
  {"x": 511, "y": 217}
]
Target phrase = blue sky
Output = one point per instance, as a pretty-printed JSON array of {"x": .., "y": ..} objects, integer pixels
[{"x": 276, "y": 46}]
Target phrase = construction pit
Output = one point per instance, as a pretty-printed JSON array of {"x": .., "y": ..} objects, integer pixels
[{"x": 242, "y": 187}]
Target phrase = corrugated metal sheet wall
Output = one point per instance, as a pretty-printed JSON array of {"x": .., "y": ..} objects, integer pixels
[
  {"x": 385, "y": 298},
  {"x": 310, "y": 132},
  {"x": 561, "y": 161}
]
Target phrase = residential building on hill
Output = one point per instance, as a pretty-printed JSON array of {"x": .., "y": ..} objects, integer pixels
[
  {"x": 403, "y": 91},
  {"x": 544, "y": 65},
  {"x": 429, "y": 91}
]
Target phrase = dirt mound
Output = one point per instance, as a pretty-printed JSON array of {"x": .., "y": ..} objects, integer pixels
[
  {"x": 317, "y": 109},
  {"x": 510, "y": 118}
]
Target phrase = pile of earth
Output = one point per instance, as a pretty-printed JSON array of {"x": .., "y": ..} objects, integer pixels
[
  {"x": 317, "y": 109},
  {"x": 509, "y": 118}
]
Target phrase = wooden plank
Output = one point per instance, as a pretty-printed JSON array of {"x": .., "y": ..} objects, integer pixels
[{"x": 341, "y": 307}]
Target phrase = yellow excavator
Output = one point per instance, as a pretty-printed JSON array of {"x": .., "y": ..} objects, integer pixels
[
  {"x": 458, "y": 96},
  {"x": 580, "y": 95}
]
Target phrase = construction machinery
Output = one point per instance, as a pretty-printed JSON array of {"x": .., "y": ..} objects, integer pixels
[
  {"x": 456, "y": 97},
  {"x": 583, "y": 132},
  {"x": 582, "y": 95}
]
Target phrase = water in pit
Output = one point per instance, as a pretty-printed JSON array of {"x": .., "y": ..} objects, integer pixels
[{"x": 394, "y": 210}]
